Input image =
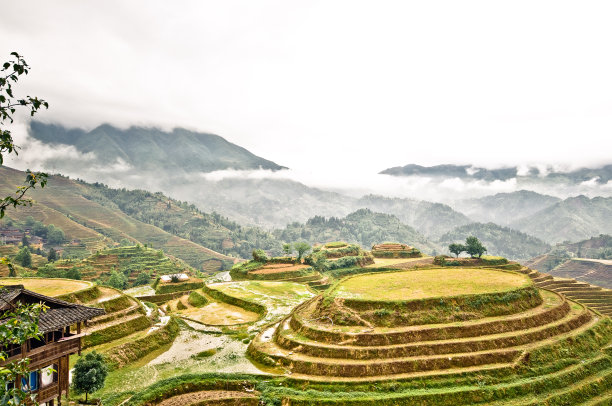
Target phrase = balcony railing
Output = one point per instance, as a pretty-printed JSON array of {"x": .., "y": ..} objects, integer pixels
[
  {"x": 47, "y": 393},
  {"x": 47, "y": 353}
]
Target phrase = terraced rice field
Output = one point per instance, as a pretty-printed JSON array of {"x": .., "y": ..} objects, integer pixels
[
  {"x": 48, "y": 286},
  {"x": 215, "y": 313},
  {"x": 362, "y": 332},
  {"x": 276, "y": 268},
  {"x": 437, "y": 282},
  {"x": 391, "y": 262}
]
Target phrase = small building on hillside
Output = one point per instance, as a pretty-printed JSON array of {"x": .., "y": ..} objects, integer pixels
[
  {"x": 179, "y": 276},
  {"x": 49, "y": 355}
]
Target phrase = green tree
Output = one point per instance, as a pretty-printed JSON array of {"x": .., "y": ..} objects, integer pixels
[
  {"x": 143, "y": 278},
  {"x": 24, "y": 257},
  {"x": 89, "y": 373},
  {"x": 474, "y": 247},
  {"x": 52, "y": 257},
  {"x": 260, "y": 256},
  {"x": 39, "y": 229},
  {"x": 20, "y": 322},
  {"x": 20, "y": 325},
  {"x": 118, "y": 280},
  {"x": 73, "y": 273},
  {"x": 24, "y": 241},
  {"x": 287, "y": 248},
  {"x": 55, "y": 235},
  {"x": 456, "y": 249},
  {"x": 301, "y": 248}
]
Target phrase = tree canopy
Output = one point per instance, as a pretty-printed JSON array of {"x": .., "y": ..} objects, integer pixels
[
  {"x": 89, "y": 373},
  {"x": 474, "y": 247}
]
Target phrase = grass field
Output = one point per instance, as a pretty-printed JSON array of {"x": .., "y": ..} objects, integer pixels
[
  {"x": 427, "y": 283},
  {"x": 48, "y": 287},
  {"x": 387, "y": 262},
  {"x": 216, "y": 313},
  {"x": 277, "y": 268}
]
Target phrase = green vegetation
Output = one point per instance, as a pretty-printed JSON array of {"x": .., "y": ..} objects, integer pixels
[
  {"x": 134, "y": 350},
  {"x": 84, "y": 213},
  {"x": 301, "y": 248},
  {"x": 395, "y": 250},
  {"x": 191, "y": 284},
  {"x": 116, "y": 331},
  {"x": 498, "y": 240},
  {"x": 335, "y": 244},
  {"x": 362, "y": 227},
  {"x": 409, "y": 285},
  {"x": 197, "y": 300},
  {"x": 24, "y": 258},
  {"x": 89, "y": 374}
]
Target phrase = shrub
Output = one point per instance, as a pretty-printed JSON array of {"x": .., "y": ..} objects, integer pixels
[
  {"x": 439, "y": 260},
  {"x": 260, "y": 255},
  {"x": 179, "y": 287},
  {"x": 180, "y": 305},
  {"x": 336, "y": 244},
  {"x": 205, "y": 354},
  {"x": 196, "y": 300}
]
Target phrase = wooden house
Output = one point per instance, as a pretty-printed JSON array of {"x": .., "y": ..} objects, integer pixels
[{"x": 60, "y": 327}]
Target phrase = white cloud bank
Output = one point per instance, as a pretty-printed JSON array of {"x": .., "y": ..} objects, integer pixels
[{"x": 333, "y": 86}]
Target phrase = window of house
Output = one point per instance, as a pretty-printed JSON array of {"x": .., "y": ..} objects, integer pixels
[{"x": 29, "y": 383}]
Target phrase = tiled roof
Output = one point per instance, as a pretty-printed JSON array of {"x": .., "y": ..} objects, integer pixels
[
  {"x": 60, "y": 313},
  {"x": 55, "y": 319}
]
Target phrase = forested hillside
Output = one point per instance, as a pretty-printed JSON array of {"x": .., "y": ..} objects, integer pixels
[
  {"x": 363, "y": 227},
  {"x": 505, "y": 208},
  {"x": 499, "y": 240},
  {"x": 431, "y": 219},
  {"x": 573, "y": 219},
  {"x": 71, "y": 206}
]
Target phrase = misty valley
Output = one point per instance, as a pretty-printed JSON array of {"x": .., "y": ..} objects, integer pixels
[
  {"x": 255, "y": 290},
  {"x": 339, "y": 203}
]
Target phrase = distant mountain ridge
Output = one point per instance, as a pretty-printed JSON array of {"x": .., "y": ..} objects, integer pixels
[
  {"x": 573, "y": 219},
  {"x": 505, "y": 208},
  {"x": 601, "y": 174},
  {"x": 153, "y": 149}
]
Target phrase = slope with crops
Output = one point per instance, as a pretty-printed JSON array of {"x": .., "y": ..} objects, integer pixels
[
  {"x": 71, "y": 206},
  {"x": 440, "y": 335}
]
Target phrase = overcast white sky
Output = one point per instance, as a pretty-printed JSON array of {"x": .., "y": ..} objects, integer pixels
[{"x": 320, "y": 86}]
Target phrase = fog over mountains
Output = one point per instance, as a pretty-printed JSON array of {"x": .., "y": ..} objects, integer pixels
[{"x": 216, "y": 175}]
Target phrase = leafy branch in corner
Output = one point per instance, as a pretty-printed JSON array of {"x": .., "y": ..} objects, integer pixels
[{"x": 9, "y": 75}]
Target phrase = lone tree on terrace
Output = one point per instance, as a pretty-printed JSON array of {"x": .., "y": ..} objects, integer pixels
[
  {"x": 301, "y": 248},
  {"x": 474, "y": 247},
  {"x": 287, "y": 248},
  {"x": 456, "y": 249},
  {"x": 24, "y": 258},
  {"x": 89, "y": 373}
]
